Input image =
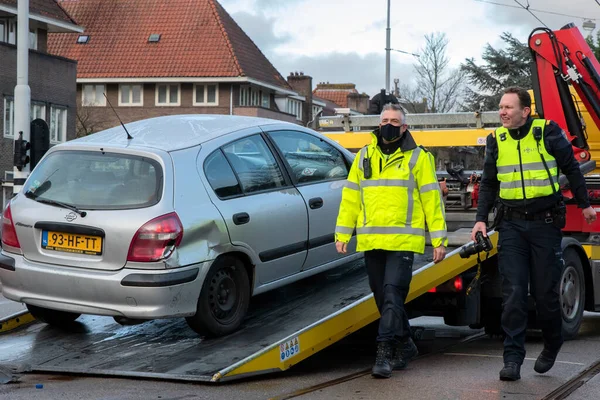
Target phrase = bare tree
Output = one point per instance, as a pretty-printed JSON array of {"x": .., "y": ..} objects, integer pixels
[
  {"x": 86, "y": 124},
  {"x": 436, "y": 81},
  {"x": 412, "y": 100}
]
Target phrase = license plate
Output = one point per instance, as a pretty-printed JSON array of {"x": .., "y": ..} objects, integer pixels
[{"x": 72, "y": 243}]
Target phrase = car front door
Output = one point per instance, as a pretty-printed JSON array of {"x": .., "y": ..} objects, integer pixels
[
  {"x": 319, "y": 171},
  {"x": 263, "y": 211}
]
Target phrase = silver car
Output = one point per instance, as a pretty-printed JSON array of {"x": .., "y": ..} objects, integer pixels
[{"x": 189, "y": 218}]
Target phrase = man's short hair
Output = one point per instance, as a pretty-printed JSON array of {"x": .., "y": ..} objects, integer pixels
[
  {"x": 394, "y": 107},
  {"x": 522, "y": 94}
]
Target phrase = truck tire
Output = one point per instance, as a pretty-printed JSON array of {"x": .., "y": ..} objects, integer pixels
[
  {"x": 572, "y": 294},
  {"x": 52, "y": 317},
  {"x": 224, "y": 299}
]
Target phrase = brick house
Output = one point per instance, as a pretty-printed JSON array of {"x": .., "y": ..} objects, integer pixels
[
  {"x": 160, "y": 57},
  {"x": 52, "y": 79},
  {"x": 344, "y": 95}
]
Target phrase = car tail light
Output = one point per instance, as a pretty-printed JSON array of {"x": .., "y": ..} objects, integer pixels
[
  {"x": 156, "y": 239},
  {"x": 432, "y": 290},
  {"x": 9, "y": 233},
  {"x": 458, "y": 283}
]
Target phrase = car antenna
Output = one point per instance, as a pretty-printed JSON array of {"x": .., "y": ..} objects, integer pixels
[{"x": 129, "y": 137}]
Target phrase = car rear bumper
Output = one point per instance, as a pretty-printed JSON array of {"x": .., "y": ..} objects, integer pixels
[{"x": 127, "y": 292}]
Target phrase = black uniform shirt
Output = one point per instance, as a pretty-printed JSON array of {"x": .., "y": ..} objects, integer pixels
[{"x": 558, "y": 146}]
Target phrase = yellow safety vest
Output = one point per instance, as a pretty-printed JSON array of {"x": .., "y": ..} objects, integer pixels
[
  {"x": 389, "y": 209},
  {"x": 521, "y": 171}
]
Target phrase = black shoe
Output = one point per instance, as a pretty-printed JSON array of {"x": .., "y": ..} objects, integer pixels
[
  {"x": 545, "y": 361},
  {"x": 403, "y": 353},
  {"x": 510, "y": 372},
  {"x": 383, "y": 362}
]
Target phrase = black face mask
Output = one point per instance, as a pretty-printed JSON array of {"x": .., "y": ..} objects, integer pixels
[{"x": 390, "y": 132}]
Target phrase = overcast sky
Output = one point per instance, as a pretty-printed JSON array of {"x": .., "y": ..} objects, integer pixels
[{"x": 344, "y": 40}]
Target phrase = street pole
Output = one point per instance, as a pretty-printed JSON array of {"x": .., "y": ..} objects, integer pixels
[
  {"x": 22, "y": 90},
  {"x": 387, "y": 50}
]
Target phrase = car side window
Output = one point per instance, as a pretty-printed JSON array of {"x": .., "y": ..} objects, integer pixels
[
  {"x": 254, "y": 164},
  {"x": 220, "y": 176},
  {"x": 310, "y": 158}
]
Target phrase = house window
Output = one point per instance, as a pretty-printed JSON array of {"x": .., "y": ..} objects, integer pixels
[
  {"x": 3, "y": 32},
  {"x": 295, "y": 107},
  {"x": 9, "y": 117},
  {"x": 11, "y": 31},
  {"x": 93, "y": 96},
  {"x": 167, "y": 95},
  {"x": 38, "y": 110},
  {"x": 58, "y": 124},
  {"x": 206, "y": 94},
  {"x": 252, "y": 96},
  {"x": 315, "y": 111},
  {"x": 131, "y": 95},
  {"x": 33, "y": 44}
]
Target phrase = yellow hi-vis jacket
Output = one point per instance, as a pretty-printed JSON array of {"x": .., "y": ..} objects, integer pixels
[
  {"x": 521, "y": 171},
  {"x": 389, "y": 209}
]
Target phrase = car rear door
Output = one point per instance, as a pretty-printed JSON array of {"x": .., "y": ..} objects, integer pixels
[
  {"x": 263, "y": 211},
  {"x": 319, "y": 171}
]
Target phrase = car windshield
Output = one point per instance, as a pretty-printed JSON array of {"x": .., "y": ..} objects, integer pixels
[{"x": 96, "y": 180}]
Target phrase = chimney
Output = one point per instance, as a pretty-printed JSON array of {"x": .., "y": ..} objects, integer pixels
[{"x": 302, "y": 84}]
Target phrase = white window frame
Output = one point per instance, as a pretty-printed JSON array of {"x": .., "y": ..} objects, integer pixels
[
  {"x": 204, "y": 102},
  {"x": 41, "y": 107},
  {"x": 61, "y": 137},
  {"x": 130, "y": 103},
  {"x": 294, "y": 107},
  {"x": 167, "y": 104},
  {"x": 96, "y": 102},
  {"x": 9, "y": 126},
  {"x": 3, "y": 30},
  {"x": 11, "y": 32},
  {"x": 33, "y": 35},
  {"x": 252, "y": 96}
]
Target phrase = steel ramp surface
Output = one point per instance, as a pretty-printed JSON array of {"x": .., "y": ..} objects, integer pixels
[{"x": 284, "y": 327}]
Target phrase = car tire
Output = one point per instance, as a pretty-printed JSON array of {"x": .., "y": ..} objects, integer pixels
[
  {"x": 572, "y": 294},
  {"x": 224, "y": 299},
  {"x": 52, "y": 317}
]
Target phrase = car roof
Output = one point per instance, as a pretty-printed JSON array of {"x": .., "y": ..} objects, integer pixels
[{"x": 173, "y": 132}]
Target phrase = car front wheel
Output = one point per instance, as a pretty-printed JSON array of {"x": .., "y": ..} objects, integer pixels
[{"x": 224, "y": 299}]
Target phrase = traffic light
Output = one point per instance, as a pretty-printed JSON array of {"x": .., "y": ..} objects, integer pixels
[
  {"x": 40, "y": 141},
  {"x": 21, "y": 158}
]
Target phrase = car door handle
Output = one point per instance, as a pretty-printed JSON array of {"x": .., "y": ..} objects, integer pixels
[
  {"x": 241, "y": 218},
  {"x": 315, "y": 203}
]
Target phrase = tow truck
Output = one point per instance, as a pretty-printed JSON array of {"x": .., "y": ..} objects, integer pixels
[{"x": 287, "y": 326}]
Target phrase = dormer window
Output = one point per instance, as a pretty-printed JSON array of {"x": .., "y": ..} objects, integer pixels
[
  {"x": 154, "y": 38},
  {"x": 83, "y": 39}
]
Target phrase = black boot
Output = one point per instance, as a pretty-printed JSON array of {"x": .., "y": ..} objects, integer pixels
[
  {"x": 510, "y": 372},
  {"x": 403, "y": 353},
  {"x": 383, "y": 362},
  {"x": 545, "y": 361}
]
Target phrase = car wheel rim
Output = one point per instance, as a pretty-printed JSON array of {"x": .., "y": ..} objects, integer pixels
[
  {"x": 223, "y": 296},
  {"x": 570, "y": 291}
]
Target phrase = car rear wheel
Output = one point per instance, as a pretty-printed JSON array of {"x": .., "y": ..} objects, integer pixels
[
  {"x": 224, "y": 299},
  {"x": 52, "y": 317}
]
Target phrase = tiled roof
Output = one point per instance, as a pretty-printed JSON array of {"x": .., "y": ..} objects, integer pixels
[
  {"x": 46, "y": 8},
  {"x": 198, "y": 39},
  {"x": 335, "y": 92}
]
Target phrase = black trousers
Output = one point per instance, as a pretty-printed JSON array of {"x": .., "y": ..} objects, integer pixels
[
  {"x": 390, "y": 273},
  {"x": 530, "y": 254}
]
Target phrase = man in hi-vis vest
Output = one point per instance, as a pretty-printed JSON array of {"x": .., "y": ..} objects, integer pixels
[
  {"x": 522, "y": 163},
  {"x": 392, "y": 190}
]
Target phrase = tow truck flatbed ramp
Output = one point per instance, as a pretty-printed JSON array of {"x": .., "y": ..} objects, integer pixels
[{"x": 284, "y": 327}]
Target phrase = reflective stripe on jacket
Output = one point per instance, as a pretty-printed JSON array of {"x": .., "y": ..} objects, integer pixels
[
  {"x": 389, "y": 209},
  {"x": 521, "y": 171}
]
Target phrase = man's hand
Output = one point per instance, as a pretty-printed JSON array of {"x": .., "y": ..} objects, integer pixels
[
  {"x": 341, "y": 247},
  {"x": 438, "y": 254},
  {"x": 479, "y": 227},
  {"x": 589, "y": 214}
]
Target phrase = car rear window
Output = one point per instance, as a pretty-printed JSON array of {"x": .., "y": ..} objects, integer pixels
[{"x": 97, "y": 180}]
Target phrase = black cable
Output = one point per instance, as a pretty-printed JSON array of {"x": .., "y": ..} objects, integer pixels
[
  {"x": 526, "y": 8},
  {"x": 534, "y": 9}
]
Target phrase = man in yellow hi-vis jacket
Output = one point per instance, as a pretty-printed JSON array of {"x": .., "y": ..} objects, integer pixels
[{"x": 392, "y": 190}]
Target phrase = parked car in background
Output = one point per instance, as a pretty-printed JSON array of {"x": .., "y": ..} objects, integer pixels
[{"x": 189, "y": 218}]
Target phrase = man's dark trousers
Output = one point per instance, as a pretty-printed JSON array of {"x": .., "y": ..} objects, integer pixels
[
  {"x": 530, "y": 249},
  {"x": 390, "y": 273}
]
